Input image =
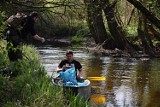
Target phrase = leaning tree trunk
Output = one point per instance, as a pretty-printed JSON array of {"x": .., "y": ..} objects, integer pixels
[
  {"x": 90, "y": 21},
  {"x": 115, "y": 28},
  {"x": 142, "y": 33},
  {"x": 147, "y": 34},
  {"x": 95, "y": 21},
  {"x": 154, "y": 32},
  {"x": 149, "y": 15}
]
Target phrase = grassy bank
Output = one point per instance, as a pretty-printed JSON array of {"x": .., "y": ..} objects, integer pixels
[{"x": 31, "y": 86}]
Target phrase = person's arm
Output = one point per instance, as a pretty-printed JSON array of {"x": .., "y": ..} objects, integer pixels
[
  {"x": 36, "y": 37},
  {"x": 61, "y": 66},
  {"x": 34, "y": 34},
  {"x": 80, "y": 71},
  {"x": 61, "y": 69}
]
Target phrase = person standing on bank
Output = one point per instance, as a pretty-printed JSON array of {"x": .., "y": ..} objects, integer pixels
[
  {"x": 16, "y": 36},
  {"x": 70, "y": 62},
  {"x": 28, "y": 27}
]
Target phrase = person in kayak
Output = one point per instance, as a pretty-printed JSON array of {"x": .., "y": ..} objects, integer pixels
[{"x": 70, "y": 62}]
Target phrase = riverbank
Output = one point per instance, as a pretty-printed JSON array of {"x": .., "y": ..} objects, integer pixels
[
  {"x": 122, "y": 53},
  {"x": 92, "y": 47}
]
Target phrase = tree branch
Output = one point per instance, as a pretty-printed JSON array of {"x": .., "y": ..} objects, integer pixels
[{"x": 149, "y": 15}]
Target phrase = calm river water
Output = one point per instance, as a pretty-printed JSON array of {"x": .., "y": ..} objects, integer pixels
[{"x": 128, "y": 82}]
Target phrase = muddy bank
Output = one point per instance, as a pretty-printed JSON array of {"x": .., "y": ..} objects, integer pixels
[
  {"x": 54, "y": 42},
  {"x": 121, "y": 53},
  {"x": 90, "y": 46}
]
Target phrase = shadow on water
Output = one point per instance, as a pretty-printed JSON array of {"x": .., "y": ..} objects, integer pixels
[{"x": 128, "y": 82}]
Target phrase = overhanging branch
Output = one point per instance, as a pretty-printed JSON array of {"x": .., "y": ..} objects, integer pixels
[{"x": 149, "y": 15}]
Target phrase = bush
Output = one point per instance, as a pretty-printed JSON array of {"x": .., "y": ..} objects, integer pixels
[{"x": 3, "y": 54}]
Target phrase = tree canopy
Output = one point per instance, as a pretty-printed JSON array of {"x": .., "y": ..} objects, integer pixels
[{"x": 112, "y": 23}]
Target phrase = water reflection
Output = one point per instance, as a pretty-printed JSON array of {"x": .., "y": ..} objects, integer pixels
[
  {"x": 98, "y": 99},
  {"x": 128, "y": 82}
]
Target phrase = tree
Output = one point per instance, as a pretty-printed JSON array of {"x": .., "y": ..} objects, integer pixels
[
  {"x": 143, "y": 35},
  {"x": 95, "y": 21},
  {"x": 115, "y": 28},
  {"x": 149, "y": 15}
]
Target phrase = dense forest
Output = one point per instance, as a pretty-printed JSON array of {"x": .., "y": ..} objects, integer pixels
[{"x": 131, "y": 25}]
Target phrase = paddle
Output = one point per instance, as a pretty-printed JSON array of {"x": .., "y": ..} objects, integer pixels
[{"x": 97, "y": 78}]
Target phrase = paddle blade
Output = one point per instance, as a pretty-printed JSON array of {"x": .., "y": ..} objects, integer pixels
[{"x": 97, "y": 78}]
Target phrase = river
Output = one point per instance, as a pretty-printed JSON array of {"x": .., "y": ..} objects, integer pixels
[{"x": 127, "y": 82}]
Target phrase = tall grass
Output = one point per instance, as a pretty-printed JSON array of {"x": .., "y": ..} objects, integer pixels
[{"x": 3, "y": 53}]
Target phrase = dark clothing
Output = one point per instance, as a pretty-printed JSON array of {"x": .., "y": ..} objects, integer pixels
[
  {"x": 16, "y": 36},
  {"x": 68, "y": 65},
  {"x": 13, "y": 36},
  {"x": 28, "y": 27},
  {"x": 14, "y": 55},
  {"x": 74, "y": 63},
  {"x": 13, "y": 41}
]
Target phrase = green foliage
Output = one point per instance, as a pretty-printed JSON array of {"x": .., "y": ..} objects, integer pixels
[
  {"x": 2, "y": 24},
  {"x": 74, "y": 100},
  {"x": 81, "y": 32},
  {"x": 156, "y": 42},
  {"x": 131, "y": 30},
  {"x": 77, "y": 102},
  {"x": 77, "y": 39},
  {"x": 59, "y": 28},
  {"x": 4, "y": 90},
  {"x": 153, "y": 6},
  {"x": 3, "y": 54},
  {"x": 84, "y": 32}
]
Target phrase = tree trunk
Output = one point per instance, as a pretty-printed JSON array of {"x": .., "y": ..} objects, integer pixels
[
  {"x": 90, "y": 20},
  {"x": 148, "y": 38},
  {"x": 95, "y": 21},
  {"x": 149, "y": 15},
  {"x": 130, "y": 18},
  {"x": 115, "y": 28},
  {"x": 128, "y": 10},
  {"x": 155, "y": 33},
  {"x": 142, "y": 32}
]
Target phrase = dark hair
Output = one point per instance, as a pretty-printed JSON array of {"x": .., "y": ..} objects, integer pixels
[
  {"x": 69, "y": 52},
  {"x": 34, "y": 14}
]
